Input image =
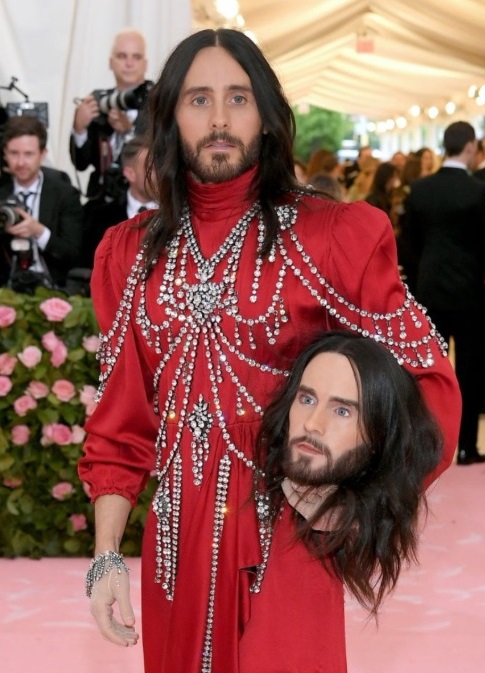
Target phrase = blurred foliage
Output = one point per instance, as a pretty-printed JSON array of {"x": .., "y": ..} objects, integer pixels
[
  {"x": 36, "y": 521},
  {"x": 320, "y": 129}
]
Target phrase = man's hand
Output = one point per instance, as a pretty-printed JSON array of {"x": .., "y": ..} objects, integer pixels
[
  {"x": 86, "y": 111},
  {"x": 114, "y": 587},
  {"x": 28, "y": 227},
  {"x": 119, "y": 121}
]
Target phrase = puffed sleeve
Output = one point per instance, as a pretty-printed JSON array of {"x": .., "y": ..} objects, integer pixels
[
  {"x": 119, "y": 450},
  {"x": 362, "y": 260}
]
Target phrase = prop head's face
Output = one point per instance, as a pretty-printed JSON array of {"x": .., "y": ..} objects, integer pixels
[
  {"x": 218, "y": 118},
  {"x": 325, "y": 440}
]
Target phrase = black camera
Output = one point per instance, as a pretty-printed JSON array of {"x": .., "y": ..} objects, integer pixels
[
  {"x": 8, "y": 215},
  {"x": 129, "y": 99}
]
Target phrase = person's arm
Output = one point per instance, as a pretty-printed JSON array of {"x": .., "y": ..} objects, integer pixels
[
  {"x": 119, "y": 451},
  {"x": 111, "y": 515},
  {"x": 362, "y": 262}
]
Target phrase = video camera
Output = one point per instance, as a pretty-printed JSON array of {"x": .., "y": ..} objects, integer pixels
[
  {"x": 8, "y": 215},
  {"x": 129, "y": 99}
]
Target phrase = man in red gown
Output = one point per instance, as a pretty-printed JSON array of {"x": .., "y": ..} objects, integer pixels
[{"x": 203, "y": 305}]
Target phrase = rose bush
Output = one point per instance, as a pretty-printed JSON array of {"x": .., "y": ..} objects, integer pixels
[{"x": 48, "y": 377}]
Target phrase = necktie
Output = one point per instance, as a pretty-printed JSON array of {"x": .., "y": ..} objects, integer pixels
[{"x": 24, "y": 198}]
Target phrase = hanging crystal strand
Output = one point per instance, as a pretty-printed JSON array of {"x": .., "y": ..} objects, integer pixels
[
  {"x": 176, "y": 508},
  {"x": 219, "y": 513},
  {"x": 263, "y": 511},
  {"x": 162, "y": 506},
  {"x": 251, "y": 340},
  {"x": 237, "y": 334},
  {"x": 253, "y": 298},
  {"x": 107, "y": 355},
  {"x": 200, "y": 422}
]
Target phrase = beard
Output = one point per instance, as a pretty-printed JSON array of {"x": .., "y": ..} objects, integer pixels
[
  {"x": 350, "y": 464},
  {"x": 220, "y": 169}
]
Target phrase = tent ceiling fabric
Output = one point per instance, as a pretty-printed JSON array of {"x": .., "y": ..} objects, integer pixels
[{"x": 426, "y": 52}]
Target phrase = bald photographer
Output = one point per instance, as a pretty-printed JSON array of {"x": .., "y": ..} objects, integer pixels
[
  {"x": 106, "y": 119},
  {"x": 41, "y": 218}
]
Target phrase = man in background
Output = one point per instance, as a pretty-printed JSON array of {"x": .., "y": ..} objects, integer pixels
[
  {"x": 48, "y": 226},
  {"x": 98, "y": 135},
  {"x": 99, "y": 217},
  {"x": 444, "y": 228}
]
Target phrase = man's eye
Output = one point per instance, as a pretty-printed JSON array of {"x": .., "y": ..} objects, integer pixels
[
  {"x": 343, "y": 411},
  {"x": 306, "y": 399},
  {"x": 200, "y": 100},
  {"x": 239, "y": 99}
]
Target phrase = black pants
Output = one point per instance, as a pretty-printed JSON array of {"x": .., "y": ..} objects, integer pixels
[{"x": 466, "y": 329}]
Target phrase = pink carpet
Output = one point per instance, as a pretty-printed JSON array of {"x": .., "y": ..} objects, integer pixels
[{"x": 434, "y": 622}]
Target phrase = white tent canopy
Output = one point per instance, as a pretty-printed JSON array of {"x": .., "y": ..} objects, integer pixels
[{"x": 425, "y": 52}]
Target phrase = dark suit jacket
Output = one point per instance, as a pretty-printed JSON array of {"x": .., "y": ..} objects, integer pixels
[
  {"x": 99, "y": 218},
  {"x": 60, "y": 211},
  {"x": 444, "y": 226}
]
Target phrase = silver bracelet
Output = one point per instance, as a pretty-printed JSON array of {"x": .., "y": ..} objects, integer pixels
[{"x": 102, "y": 564}]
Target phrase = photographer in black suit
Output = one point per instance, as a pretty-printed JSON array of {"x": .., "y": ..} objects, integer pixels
[
  {"x": 444, "y": 227},
  {"x": 99, "y": 217},
  {"x": 48, "y": 221},
  {"x": 98, "y": 134}
]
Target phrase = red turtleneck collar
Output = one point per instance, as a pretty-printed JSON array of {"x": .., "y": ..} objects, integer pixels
[
  {"x": 216, "y": 207},
  {"x": 220, "y": 200}
]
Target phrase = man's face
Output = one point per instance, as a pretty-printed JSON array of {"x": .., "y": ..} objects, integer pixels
[
  {"x": 24, "y": 158},
  {"x": 128, "y": 61},
  {"x": 218, "y": 118},
  {"x": 325, "y": 443}
]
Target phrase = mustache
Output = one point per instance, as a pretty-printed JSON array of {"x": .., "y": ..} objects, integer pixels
[
  {"x": 308, "y": 439},
  {"x": 221, "y": 136}
]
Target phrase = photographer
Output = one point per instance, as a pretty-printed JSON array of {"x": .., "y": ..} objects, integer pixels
[
  {"x": 99, "y": 217},
  {"x": 98, "y": 135},
  {"x": 46, "y": 231}
]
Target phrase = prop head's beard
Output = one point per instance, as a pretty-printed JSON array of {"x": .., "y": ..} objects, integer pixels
[{"x": 350, "y": 464}]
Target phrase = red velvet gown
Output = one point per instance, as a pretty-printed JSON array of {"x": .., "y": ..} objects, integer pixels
[{"x": 190, "y": 357}]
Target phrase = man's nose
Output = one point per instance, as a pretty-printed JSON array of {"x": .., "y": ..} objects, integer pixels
[
  {"x": 315, "y": 422},
  {"x": 219, "y": 117}
]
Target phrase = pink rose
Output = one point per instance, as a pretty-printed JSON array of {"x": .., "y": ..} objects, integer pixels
[
  {"x": 78, "y": 434},
  {"x": 87, "y": 394},
  {"x": 5, "y": 386},
  {"x": 50, "y": 341},
  {"x": 24, "y": 404},
  {"x": 7, "y": 364},
  {"x": 62, "y": 490},
  {"x": 37, "y": 389},
  {"x": 59, "y": 355},
  {"x": 78, "y": 522},
  {"x": 30, "y": 356},
  {"x": 63, "y": 390},
  {"x": 20, "y": 435},
  {"x": 7, "y": 315},
  {"x": 87, "y": 398},
  {"x": 55, "y": 309},
  {"x": 91, "y": 343},
  {"x": 12, "y": 482},
  {"x": 56, "y": 433}
]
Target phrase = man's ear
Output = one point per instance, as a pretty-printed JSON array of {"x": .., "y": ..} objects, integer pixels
[{"x": 129, "y": 173}]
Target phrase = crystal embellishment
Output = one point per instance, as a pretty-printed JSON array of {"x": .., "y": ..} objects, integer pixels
[{"x": 200, "y": 422}]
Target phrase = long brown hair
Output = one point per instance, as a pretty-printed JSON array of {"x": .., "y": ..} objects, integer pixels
[
  {"x": 375, "y": 511},
  {"x": 165, "y": 164}
]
